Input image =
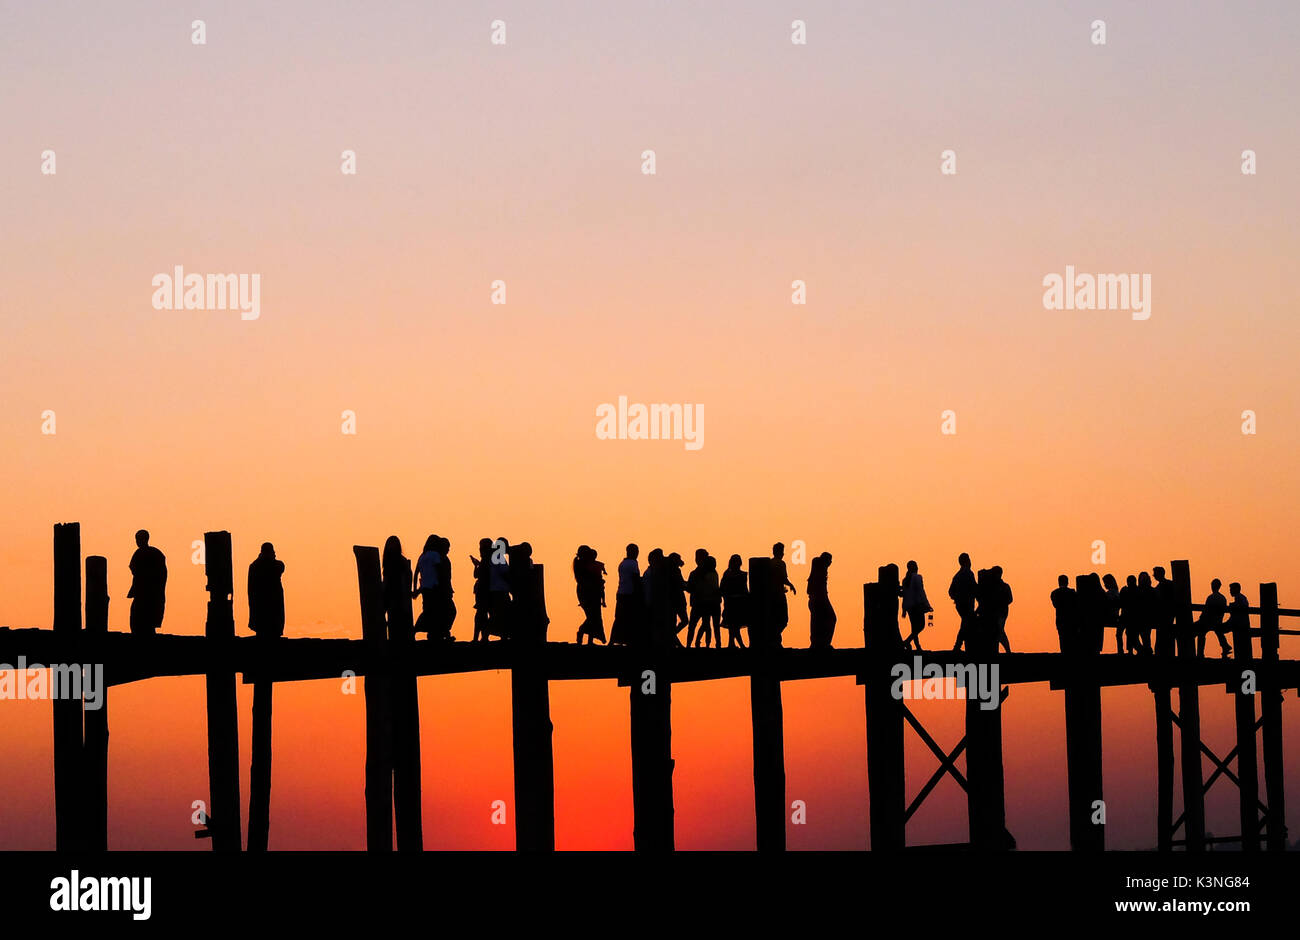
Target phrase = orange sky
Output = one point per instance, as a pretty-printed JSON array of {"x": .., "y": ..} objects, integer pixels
[{"x": 522, "y": 163}]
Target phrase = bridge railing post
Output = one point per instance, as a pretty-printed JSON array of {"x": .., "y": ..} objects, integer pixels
[
  {"x": 223, "y": 713},
  {"x": 1189, "y": 711},
  {"x": 379, "y": 729},
  {"x": 69, "y": 796},
  {"x": 530, "y": 705},
  {"x": 1271, "y": 714},
  {"x": 96, "y": 719},
  {"x": 766, "y": 713},
  {"x": 886, "y": 775}
]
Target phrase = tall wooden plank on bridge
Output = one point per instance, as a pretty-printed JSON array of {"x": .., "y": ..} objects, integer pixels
[
  {"x": 1247, "y": 752},
  {"x": 404, "y": 697},
  {"x": 650, "y": 693},
  {"x": 95, "y": 753},
  {"x": 1160, "y": 694},
  {"x": 1083, "y": 749},
  {"x": 766, "y": 712},
  {"x": 1271, "y": 715},
  {"x": 1189, "y": 711},
  {"x": 69, "y": 797},
  {"x": 379, "y": 729},
  {"x": 886, "y": 779},
  {"x": 530, "y": 707},
  {"x": 985, "y": 782},
  {"x": 223, "y": 712}
]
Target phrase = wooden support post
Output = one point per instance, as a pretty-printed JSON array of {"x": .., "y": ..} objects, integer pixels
[
  {"x": 69, "y": 798},
  {"x": 1164, "y": 766},
  {"x": 1083, "y": 762},
  {"x": 886, "y": 775},
  {"x": 223, "y": 714},
  {"x": 1271, "y": 714},
  {"x": 404, "y": 697},
  {"x": 379, "y": 729},
  {"x": 259, "y": 774},
  {"x": 1189, "y": 712},
  {"x": 650, "y": 693},
  {"x": 767, "y": 715},
  {"x": 1247, "y": 759},
  {"x": 985, "y": 792},
  {"x": 95, "y": 752},
  {"x": 530, "y": 706}
]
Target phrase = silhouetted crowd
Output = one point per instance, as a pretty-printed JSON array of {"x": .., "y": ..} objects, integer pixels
[{"x": 1135, "y": 611}]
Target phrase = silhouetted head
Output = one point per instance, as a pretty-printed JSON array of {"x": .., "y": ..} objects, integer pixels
[
  {"x": 1144, "y": 580},
  {"x": 700, "y": 555},
  {"x": 485, "y": 548},
  {"x": 392, "y": 555},
  {"x": 632, "y": 550},
  {"x": 996, "y": 572},
  {"x": 431, "y": 543},
  {"x": 778, "y": 550},
  {"x": 268, "y": 549},
  {"x": 1159, "y": 572},
  {"x": 1215, "y": 585},
  {"x": 584, "y": 552},
  {"x": 911, "y": 567},
  {"x": 1062, "y": 580},
  {"x": 675, "y": 560},
  {"x": 1110, "y": 583},
  {"x": 733, "y": 563},
  {"x": 142, "y": 538},
  {"x": 655, "y": 557},
  {"x": 963, "y": 560},
  {"x": 525, "y": 551},
  {"x": 826, "y": 557},
  {"x": 444, "y": 545},
  {"x": 1234, "y": 588},
  {"x": 1131, "y": 581},
  {"x": 710, "y": 563}
]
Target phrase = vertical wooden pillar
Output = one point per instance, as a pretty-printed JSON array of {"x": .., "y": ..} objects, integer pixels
[
  {"x": 985, "y": 794},
  {"x": 1271, "y": 713},
  {"x": 650, "y": 692},
  {"x": 69, "y": 798},
  {"x": 379, "y": 729},
  {"x": 259, "y": 774},
  {"x": 886, "y": 775},
  {"x": 95, "y": 752},
  {"x": 1083, "y": 747},
  {"x": 767, "y": 715},
  {"x": 404, "y": 697},
  {"x": 1083, "y": 762},
  {"x": 1247, "y": 752},
  {"x": 223, "y": 713},
  {"x": 1189, "y": 712},
  {"x": 1164, "y": 765},
  {"x": 530, "y": 707}
]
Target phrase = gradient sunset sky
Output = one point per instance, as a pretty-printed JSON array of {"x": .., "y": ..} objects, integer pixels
[{"x": 522, "y": 162}]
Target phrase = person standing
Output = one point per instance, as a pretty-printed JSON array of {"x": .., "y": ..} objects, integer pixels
[
  {"x": 821, "y": 615},
  {"x": 915, "y": 604},
  {"x": 780, "y": 612},
  {"x": 735, "y": 592},
  {"x": 590, "y": 577},
  {"x": 148, "y": 591},
  {"x": 266, "y": 594},
  {"x": 962, "y": 591},
  {"x": 1216, "y": 605},
  {"x": 628, "y": 605}
]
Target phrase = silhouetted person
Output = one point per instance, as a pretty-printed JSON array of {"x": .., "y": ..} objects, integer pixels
[
  {"x": 629, "y": 605},
  {"x": 915, "y": 604},
  {"x": 266, "y": 594},
  {"x": 821, "y": 615},
  {"x": 446, "y": 605},
  {"x": 1066, "y": 603},
  {"x": 962, "y": 590},
  {"x": 1092, "y": 603},
  {"x": 527, "y": 612},
  {"x": 397, "y": 590},
  {"x": 1130, "y": 605},
  {"x": 1166, "y": 634},
  {"x": 734, "y": 588},
  {"x": 1112, "y": 611},
  {"x": 1239, "y": 621},
  {"x": 428, "y": 581},
  {"x": 1002, "y": 598},
  {"x": 657, "y": 588},
  {"x": 703, "y": 588},
  {"x": 1149, "y": 598},
  {"x": 1211, "y": 620},
  {"x": 780, "y": 612},
  {"x": 482, "y": 589},
  {"x": 590, "y": 576},
  {"x": 676, "y": 586},
  {"x": 499, "y": 589},
  {"x": 148, "y": 591}
]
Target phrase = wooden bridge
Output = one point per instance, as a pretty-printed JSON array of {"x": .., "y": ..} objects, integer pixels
[{"x": 390, "y": 667}]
